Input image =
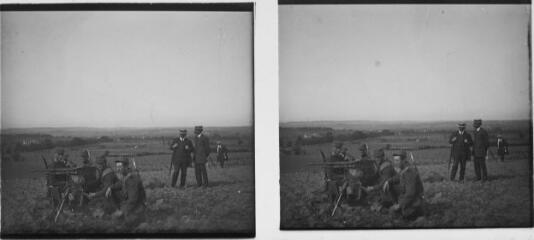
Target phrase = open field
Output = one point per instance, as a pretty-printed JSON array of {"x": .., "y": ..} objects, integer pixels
[
  {"x": 504, "y": 201},
  {"x": 227, "y": 206}
]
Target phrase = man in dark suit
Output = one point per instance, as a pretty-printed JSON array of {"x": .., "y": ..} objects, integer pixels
[
  {"x": 460, "y": 142},
  {"x": 202, "y": 151},
  {"x": 480, "y": 150},
  {"x": 502, "y": 147},
  {"x": 222, "y": 153},
  {"x": 181, "y": 148}
]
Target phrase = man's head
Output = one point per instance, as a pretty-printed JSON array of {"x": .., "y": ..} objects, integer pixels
[
  {"x": 122, "y": 165},
  {"x": 101, "y": 162},
  {"x": 477, "y": 123},
  {"x": 59, "y": 154},
  {"x": 379, "y": 155},
  {"x": 364, "y": 148},
  {"x": 461, "y": 126},
  {"x": 198, "y": 129},
  {"x": 85, "y": 156},
  {"x": 399, "y": 161},
  {"x": 219, "y": 142},
  {"x": 183, "y": 132}
]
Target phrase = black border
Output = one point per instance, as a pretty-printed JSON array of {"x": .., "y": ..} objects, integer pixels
[
  {"x": 377, "y": 2},
  {"x": 219, "y": 7}
]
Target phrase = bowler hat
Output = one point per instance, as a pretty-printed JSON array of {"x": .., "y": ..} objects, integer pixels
[
  {"x": 462, "y": 124},
  {"x": 183, "y": 130}
]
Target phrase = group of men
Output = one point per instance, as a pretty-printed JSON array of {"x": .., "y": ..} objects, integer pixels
[
  {"x": 464, "y": 147},
  {"x": 186, "y": 152},
  {"x": 398, "y": 181},
  {"x": 122, "y": 191}
]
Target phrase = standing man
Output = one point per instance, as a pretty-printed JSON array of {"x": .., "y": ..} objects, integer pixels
[
  {"x": 460, "y": 142},
  {"x": 222, "y": 153},
  {"x": 202, "y": 151},
  {"x": 182, "y": 148},
  {"x": 502, "y": 147},
  {"x": 480, "y": 150},
  {"x": 409, "y": 189}
]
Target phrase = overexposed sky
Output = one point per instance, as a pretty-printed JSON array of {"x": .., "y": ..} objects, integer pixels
[
  {"x": 126, "y": 69},
  {"x": 403, "y": 62}
]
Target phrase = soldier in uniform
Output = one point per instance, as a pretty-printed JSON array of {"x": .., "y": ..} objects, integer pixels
[
  {"x": 385, "y": 172},
  {"x": 107, "y": 179},
  {"x": 480, "y": 150},
  {"x": 57, "y": 182},
  {"x": 202, "y": 151},
  {"x": 408, "y": 188},
  {"x": 364, "y": 152},
  {"x": 222, "y": 153},
  {"x": 132, "y": 194},
  {"x": 502, "y": 147},
  {"x": 182, "y": 148},
  {"x": 460, "y": 144}
]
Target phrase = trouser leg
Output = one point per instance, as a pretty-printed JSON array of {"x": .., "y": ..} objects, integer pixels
[
  {"x": 477, "y": 167},
  {"x": 198, "y": 172},
  {"x": 204, "y": 175},
  {"x": 454, "y": 168},
  {"x": 175, "y": 171},
  {"x": 183, "y": 175},
  {"x": 483, "y": 169},
  {"x": 462, "y": 168}
]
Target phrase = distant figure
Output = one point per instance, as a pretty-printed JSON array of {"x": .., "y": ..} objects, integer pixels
[
  {"x": 132, "y": 194},
  {"x": 502, "y": 147},
  {"x": 460, "y": 144},
  {"x": 409, "y": 191},
  {"x": 385, "y": 172},
  {"x": 202, "y": 151},
  {"x": 106, "y": 179},
  {"x": 222, "y": 153},
  {"x": 182, "y": 148},
  {"x": 480, "y": 150}
]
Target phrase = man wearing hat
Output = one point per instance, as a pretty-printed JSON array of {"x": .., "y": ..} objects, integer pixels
[
  {"x": 107, "y": 179},
  {"x": 131, "y": 193},
  {"x": 460, "y": 142},
  {"x": 480, "y": 150},
  {"x": 182, "y": 148},
  {"x": 56, "y": 182},
  {"x": 407, "y": 187},
  {"x": 385, "y": 172},
  {"x": 335, "y": 177},
  {"x": 222, "y": 153},
  {"x": 202, "y": 151},
  {"x": 502, "y": 147}
]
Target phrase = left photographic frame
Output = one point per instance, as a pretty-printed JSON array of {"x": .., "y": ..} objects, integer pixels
[{"x": 127, "y": 120}]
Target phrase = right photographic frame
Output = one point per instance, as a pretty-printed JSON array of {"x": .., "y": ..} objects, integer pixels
[{"x": 405, "y": 116}]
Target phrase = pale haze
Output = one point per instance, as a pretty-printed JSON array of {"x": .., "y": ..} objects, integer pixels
[
  {"x": 126, "y": 69},
  {"x": 404, "y": 62}
]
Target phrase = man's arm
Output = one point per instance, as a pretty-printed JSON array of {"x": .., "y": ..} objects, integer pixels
[
  {"x": 107, "y": 181},
  {"x": 410, "y": 189},
  {"x": 452, "y": 138},
  {"x": 132, "y": 191}
]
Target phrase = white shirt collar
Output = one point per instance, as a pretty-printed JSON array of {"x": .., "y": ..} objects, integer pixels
[
  {"x": 461, "y": 132},
  {"x": 478, "y": 129}
]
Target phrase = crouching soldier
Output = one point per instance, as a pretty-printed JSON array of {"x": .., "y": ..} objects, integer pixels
[
  {"x": 107, "y": 179},
  {"x": 407, "y": 185},
  {"x": 335, "y": 177},
  {"x": 131, "y": 194},
  {"x": 385, "y": 172}
]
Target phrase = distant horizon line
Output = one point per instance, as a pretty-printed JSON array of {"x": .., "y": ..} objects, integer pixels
[{"x": 414, "y": 121}]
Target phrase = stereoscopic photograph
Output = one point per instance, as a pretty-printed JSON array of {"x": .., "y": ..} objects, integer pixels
[
  {"x": 405, "y": 116},
  {"x": 127, "y": 120}
]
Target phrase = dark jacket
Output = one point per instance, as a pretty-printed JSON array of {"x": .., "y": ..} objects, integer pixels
[
  {"x": 411, "y": 187},
  {"x": 181, "y": 151},
  {"x": 133, "y": 193},
  {"x": 461, "y": 145},
  {"x": 385, "y": 172},
  {"x": 502, "y": 147},
  {"x": 202, "y": 149},
  {"x": 480, "y": 143},
  {"x": 107, "y": 179},
  {"x": 222, "y": 153}
]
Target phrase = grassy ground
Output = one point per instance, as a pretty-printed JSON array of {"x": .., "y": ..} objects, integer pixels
[
  {"x": 226, "y": 206},
  {"x": 504, "y": 201}
]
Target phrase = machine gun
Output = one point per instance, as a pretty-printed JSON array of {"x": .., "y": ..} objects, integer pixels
[
  {"x": 66, "y": 185},
  {"x": 351, "y": 175}
]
